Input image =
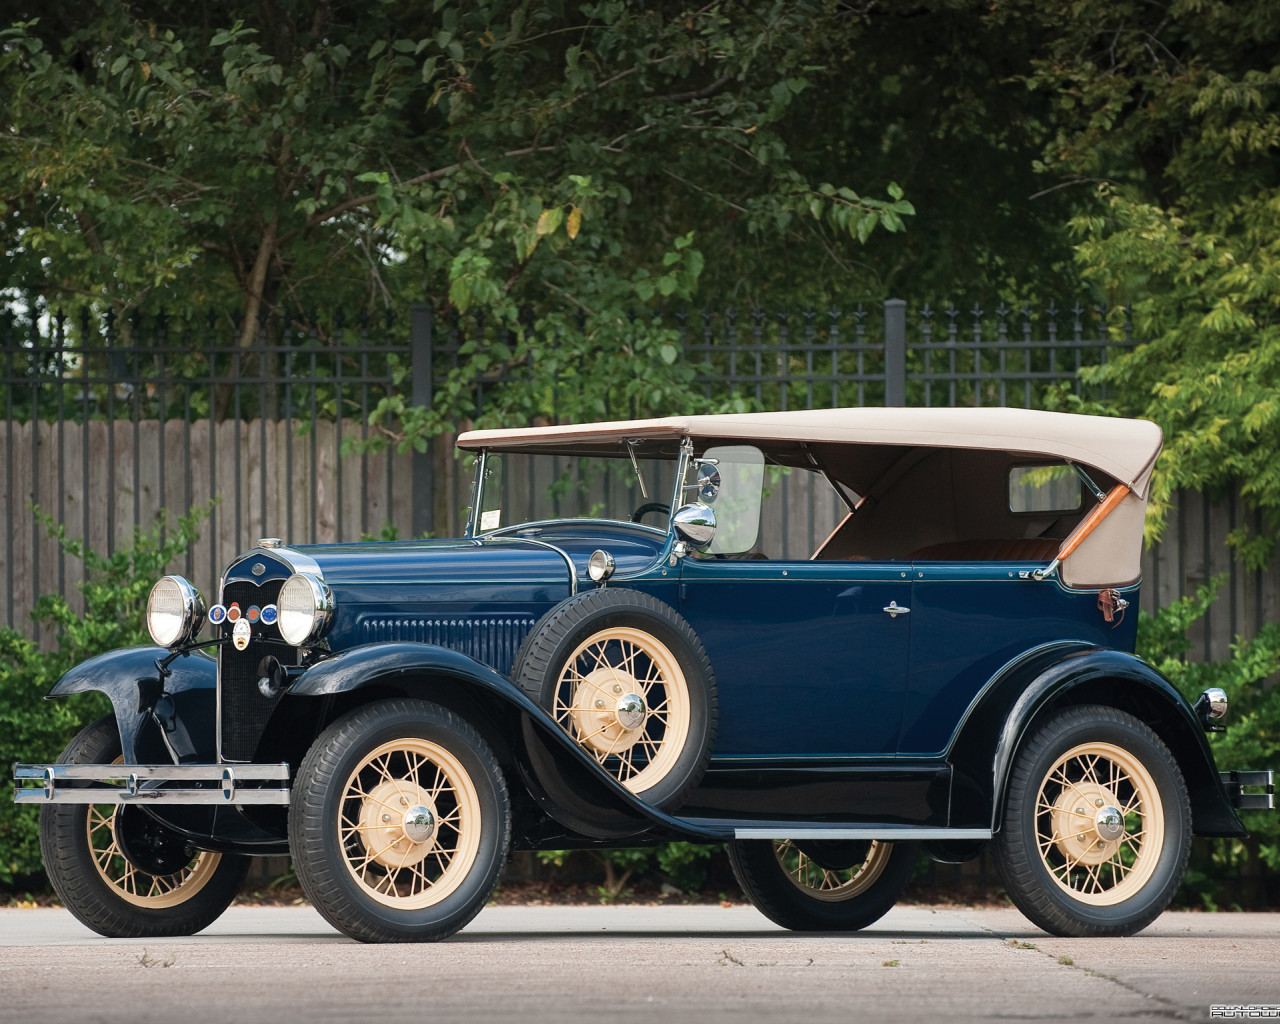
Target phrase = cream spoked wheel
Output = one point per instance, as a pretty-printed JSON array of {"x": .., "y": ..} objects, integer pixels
[
  {"x": 399, "y": 822},
  {"x": 837, "y": 885},
  {"x": 409, "y": 823},
  {"x": 1096, "y": 828},
  {"x": 1099, "y": 824},
  {"x": 120, "y": 869},
  {"x": 623, "y": 696},
  {"x": 832, "y": 884},
  {"x": 626, "y": 677},
  {"x": 104, "y": 831}
]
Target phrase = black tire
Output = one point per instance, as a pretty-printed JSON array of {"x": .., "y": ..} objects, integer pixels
[
  {"x": 108, "y": 892},
  {"x": 660, "y": 756},
  {"x": 1067, "y": 862},
  {"x": 822, "y": 886},
  {"x": 440, "y": 867}
]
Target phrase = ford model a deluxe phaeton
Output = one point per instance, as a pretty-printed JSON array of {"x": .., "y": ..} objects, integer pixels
[{"x": 630, "y": 663}]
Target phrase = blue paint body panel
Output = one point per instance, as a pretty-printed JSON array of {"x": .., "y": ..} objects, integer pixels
[
  {"x": 968, "y": 621},
  {"x": 809, "y": 663}
]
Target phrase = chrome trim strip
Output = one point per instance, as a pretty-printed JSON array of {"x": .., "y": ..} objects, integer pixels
[
  {"x": 275, "y": 797},
  {"x": 169, "y": 772},
  {"x": 883, "y": 832},
  {"x": 132, "y": 783},
  {"x": 573, "y": 570}
]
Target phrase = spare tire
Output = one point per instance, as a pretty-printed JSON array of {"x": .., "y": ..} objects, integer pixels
[{"x": 625, "y": 676}]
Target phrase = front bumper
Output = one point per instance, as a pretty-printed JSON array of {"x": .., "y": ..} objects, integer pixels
[
  {"x": 1235, "y": 784},
  {"x": 230, "y": 784}
]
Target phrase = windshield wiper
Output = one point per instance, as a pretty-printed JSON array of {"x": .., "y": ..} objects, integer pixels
[{"x": 631, "y": 450}]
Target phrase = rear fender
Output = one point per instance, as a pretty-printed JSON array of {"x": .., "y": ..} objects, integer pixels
[
  {"x": 1026, "y": 692},
  {"x": 180, "y": 705},
  {"x": 542, "y": 752}
]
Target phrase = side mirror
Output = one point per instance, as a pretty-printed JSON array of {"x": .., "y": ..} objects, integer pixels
[
  {"x": 708, "y": 485},
  {"x": 694, "y": 524}
]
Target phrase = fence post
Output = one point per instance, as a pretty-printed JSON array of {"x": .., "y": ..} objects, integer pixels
[
  {"x": 895, "y": 352},
  {"x": 423, "y": 463}
]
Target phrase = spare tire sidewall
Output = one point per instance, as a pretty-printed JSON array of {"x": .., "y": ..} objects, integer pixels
[{"x": 541, "y": 661}]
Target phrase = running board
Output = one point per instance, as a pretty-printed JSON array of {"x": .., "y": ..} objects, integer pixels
[
  {"x": 149, "y": 783},
  {"x": 775, "y": 829}
]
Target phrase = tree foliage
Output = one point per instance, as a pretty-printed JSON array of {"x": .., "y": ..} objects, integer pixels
[
  {"x": 1168, "y": 117},
  {"x": 483, "y": 153}
]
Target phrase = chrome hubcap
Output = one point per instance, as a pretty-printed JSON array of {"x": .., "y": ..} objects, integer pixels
[
  {"x": 630, "y": 711},
  {"x": 1110, "y": 824},
  {"x": 419, "y": 824}
]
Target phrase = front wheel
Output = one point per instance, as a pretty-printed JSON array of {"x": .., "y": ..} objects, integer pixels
[
  {"x": 822, "y": 885},
  {"x": 119, "y": 870},
  {"x": 399, "y": 822},
  {"x": 1097, "y": 825}
]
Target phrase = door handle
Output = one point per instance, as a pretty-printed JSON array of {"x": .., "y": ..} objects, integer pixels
[{"x": 895, "y": 610}]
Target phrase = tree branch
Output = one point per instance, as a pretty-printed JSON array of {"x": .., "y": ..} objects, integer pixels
[
  {"x": 698, "y": 94},
  {"x": 354, "y": 202}
]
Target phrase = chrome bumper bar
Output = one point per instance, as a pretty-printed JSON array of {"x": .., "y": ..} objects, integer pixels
[
  {"x": 150, "y": 783},
  {"x": 1236, "y": 782}
]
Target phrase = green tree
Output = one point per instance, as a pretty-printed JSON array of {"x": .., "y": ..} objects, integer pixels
[
  {"x": 1166, "y": 124},
  {"x": 489, "y": 152}
]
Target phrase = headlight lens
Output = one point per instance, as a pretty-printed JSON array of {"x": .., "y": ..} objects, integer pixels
[
  {"x": 175, "y": 612},
  {"x": 305, "y": 605}
]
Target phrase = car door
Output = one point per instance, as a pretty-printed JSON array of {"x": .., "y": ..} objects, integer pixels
[{"x": 810, "y": 657}]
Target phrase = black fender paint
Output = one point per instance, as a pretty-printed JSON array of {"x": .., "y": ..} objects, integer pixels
[
  {"x": 1018, "y": 698},
  {"x": 181, "y": 704},
  {"x": 604, "y": 807}
]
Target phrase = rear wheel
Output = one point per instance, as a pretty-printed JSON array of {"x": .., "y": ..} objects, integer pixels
[
  {"x": 822, "y": 885},
  {"x": 119, "y": 870},
  {"x": 1097, "y": 825},
  {"x": 399, "y": 822}
]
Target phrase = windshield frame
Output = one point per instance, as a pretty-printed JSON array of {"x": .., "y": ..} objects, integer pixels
[{"x": 471, "y": 530}]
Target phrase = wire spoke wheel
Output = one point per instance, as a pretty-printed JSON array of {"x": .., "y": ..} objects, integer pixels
[
  {"x": 1099, "y": 824},
  {"x": 132, "y": 884},
  {"x": 409, "y": 823},
  {"x": 1096, "y": 828},
  {"x": 837, "y": 885},
  {"x": 831, "y": 884},
  {"x": 121, "y": 869},
  {"x": 623, "y": 696}
]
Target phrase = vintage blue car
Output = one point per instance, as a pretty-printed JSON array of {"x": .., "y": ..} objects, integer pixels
[{"x": 610, "y": 656}]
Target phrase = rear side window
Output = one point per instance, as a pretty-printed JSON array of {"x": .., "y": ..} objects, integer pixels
[{"x": 1048, "y": 487}]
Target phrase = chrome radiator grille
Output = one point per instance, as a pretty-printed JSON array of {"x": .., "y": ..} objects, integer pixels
[
  {"x": 243, "y": 711},
  {"x": 491, "y": 639}
]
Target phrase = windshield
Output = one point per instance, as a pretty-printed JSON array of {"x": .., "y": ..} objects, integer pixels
[{"x": 527, "y": 487}]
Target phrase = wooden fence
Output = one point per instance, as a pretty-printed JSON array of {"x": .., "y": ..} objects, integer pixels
[{"x": 289, "y": 479}]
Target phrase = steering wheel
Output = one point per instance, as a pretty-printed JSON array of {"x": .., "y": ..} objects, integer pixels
[{"x": 650, "y": 506}]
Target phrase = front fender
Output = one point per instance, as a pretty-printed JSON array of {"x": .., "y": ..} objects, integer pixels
[
  {"x": 545, "y": 754},
  {"x": 1016, "y": 702},
  {"x": 181, "y": 704}
]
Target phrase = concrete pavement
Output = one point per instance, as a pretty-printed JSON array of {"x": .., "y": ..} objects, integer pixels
[{"x": 659, "y": 965}]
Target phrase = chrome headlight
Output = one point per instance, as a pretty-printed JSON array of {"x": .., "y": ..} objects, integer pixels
[
  {"x": 175, "y": 612},
  {"x": 305, "y": 606}
]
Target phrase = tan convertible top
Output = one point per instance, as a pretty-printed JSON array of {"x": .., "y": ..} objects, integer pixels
[{"x": 1124, "y": 449}]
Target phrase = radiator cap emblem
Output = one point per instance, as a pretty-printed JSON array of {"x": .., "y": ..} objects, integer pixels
[{"x": 240, "y": 634}]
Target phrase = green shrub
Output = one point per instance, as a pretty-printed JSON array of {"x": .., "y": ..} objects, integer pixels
[
  {"x": 1252, "y": 739},
  {"x": 32, "y": 729}
]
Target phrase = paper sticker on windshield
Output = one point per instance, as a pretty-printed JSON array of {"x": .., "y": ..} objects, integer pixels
[{"x": 491, "y": 520}]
